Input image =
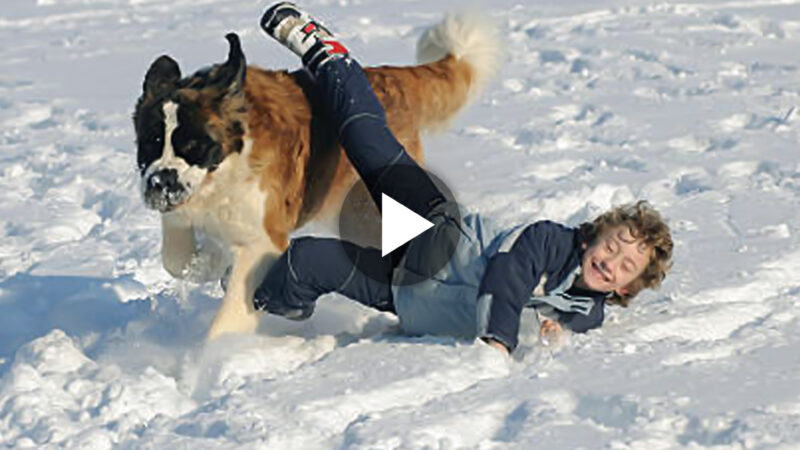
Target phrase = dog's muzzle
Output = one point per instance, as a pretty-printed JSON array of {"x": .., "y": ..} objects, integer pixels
[{"x": 163, "y": 191}]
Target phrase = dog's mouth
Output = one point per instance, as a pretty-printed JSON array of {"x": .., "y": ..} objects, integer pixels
[
  {"x": 163, "y": 191},
  {"x": 165, "y": 201}
]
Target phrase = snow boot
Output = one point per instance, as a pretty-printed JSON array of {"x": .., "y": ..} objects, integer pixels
[{"x": 302, "y": 34}]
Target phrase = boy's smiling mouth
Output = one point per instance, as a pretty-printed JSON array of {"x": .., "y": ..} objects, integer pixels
[{"x": 600, "y": 272}]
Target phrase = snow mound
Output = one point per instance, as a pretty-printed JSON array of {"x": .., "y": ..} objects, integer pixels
[{"x": 55, "y": 395}]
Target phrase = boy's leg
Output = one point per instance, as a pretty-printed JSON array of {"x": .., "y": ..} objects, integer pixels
[
  {"x": 355, "y": 111},
  {"x": 380, "y": 160},
  {"x": 359, "y": 118},
  {"x": 311, "y": 267}
]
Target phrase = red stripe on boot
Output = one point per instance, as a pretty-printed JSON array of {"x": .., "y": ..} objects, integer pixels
[
  {"x": 335, "y": 48},
  {"x": 309, "y": 28}
]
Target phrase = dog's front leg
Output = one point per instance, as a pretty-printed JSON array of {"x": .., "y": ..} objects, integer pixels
[
  {"x": 177, "y": 244},
  {"x": 185, "y": 257},
  {"x": 237, "y": 315}
]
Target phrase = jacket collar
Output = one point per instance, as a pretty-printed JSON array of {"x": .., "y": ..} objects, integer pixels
[{"x": 566, "y": 296}]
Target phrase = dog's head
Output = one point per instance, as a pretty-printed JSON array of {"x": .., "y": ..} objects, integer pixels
[{"x": 186, "y": 127}]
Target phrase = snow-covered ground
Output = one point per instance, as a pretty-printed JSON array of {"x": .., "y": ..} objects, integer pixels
[{"x": 693, "y": 106}]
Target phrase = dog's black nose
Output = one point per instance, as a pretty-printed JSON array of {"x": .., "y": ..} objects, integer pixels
[{"x": 165, "y": 180}]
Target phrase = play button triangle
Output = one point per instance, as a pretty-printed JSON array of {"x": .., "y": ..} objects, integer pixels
[
  {"x": 363, "y": 228},
  {"x": 399, "y": 224}
]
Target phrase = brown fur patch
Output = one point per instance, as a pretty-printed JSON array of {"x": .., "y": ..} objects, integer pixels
[{"x": 295, "y": 154}]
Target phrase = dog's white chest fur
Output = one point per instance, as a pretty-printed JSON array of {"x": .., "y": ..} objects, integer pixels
[{"x": 230, "y": 207}]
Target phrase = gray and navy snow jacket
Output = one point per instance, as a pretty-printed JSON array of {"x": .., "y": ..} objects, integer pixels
[{"x": 492, "y": 276}]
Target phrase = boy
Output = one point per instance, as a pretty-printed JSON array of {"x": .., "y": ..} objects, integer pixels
[{"x": 566, "y": 274}]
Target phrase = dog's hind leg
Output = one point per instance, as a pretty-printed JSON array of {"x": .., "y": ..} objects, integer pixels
[{"x": 237, "y": 314}]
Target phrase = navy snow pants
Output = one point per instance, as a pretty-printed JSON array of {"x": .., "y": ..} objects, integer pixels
[{"x": 311, "y": 266}]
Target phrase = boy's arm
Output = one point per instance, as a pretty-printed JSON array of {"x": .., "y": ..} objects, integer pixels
[{"x": 511, "y": 276}]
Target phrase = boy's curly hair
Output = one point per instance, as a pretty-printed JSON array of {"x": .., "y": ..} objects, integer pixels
[{"x": 645, "y": 223}]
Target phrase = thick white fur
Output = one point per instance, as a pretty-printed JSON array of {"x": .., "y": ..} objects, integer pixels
[{"x": 467, "y": 36}]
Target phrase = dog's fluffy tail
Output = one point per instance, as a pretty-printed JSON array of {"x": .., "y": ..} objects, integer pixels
[
  {"x": 457, "y": 57},
  {"x": 470, "y": 39}
]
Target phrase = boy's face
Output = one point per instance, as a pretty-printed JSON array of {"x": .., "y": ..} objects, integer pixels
[{"x": 614, "y": 260}]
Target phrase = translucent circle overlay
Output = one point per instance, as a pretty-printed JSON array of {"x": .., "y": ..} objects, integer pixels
[{"x": 360, "y": 223}]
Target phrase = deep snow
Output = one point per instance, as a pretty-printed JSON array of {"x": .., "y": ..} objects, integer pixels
[{"x": 692, "y": 106}]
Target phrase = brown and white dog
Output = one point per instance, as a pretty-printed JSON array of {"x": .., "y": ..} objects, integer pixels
[{"x": 236, "y": 157}]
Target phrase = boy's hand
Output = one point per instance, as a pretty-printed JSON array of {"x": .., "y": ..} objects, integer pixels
[
  {"x": 549, "y": 331},
  {"x": 496, "y": 344}
]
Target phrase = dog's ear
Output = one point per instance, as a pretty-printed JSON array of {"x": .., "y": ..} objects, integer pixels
[
  {"x": 162, "y": 77},
  {"x": 230, "y": 76}
]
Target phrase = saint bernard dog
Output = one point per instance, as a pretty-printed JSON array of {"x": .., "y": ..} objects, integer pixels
[{"x": 235, "y": 157}]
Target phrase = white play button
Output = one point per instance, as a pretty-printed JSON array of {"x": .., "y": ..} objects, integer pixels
[
  {"x": 362, "y": 229},
  {"x": 399, "y": 224}
]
